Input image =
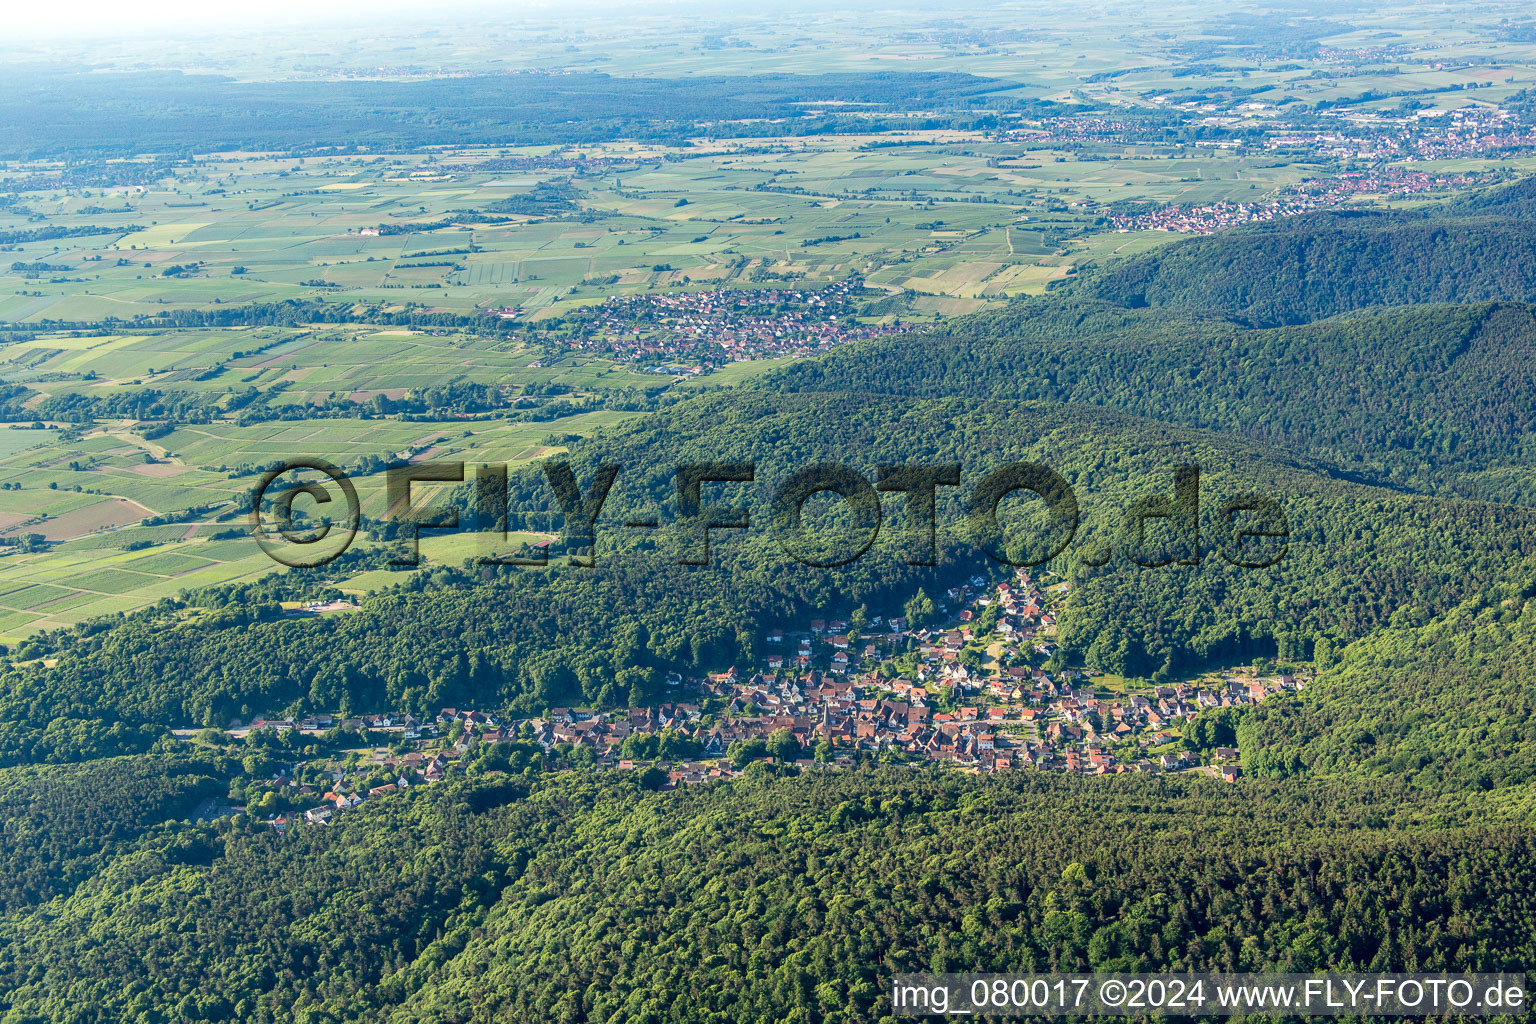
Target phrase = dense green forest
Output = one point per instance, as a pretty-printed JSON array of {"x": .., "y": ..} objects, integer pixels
[
  {"x": 1424, "y": 397},
  {"x": 63, "y": 823},
  {"x": 767, "y": 899},
  {"x": 129, "y": 113},
  {"x": 1449, "y": 704},
  {"x": 1306, "y": 268}
]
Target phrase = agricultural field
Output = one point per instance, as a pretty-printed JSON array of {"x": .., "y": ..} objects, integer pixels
[
  {"x": 305, "y": 365},
  {"x": 89, "y": 497},
  {"x": 945, "y": 213}
]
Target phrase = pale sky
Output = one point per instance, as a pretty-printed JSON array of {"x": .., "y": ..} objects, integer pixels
[{"x": 94, "y": 19}]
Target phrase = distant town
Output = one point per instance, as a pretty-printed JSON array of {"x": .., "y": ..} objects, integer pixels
[
  {"x": 691, "y": 332},
  {"x": 1309, "y": 196}
]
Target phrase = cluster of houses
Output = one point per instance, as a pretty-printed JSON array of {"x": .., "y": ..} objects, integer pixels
[
  {"x": 1360, "y": 133},
  {"x": 1306, "y": 197},
  {"x": 1430, "y": 134},
  {"x": 414, "y": 768},
  {"x": 722, "y": 325},
  {"x": 412, "y": 727},
  {"x": 1351, "y": 132},
  {"x": 825, "y": 692},
  {"x": 837, "y": 700}
]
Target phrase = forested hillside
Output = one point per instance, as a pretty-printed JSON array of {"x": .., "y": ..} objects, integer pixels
[
  {"x": 1450, "y": 704},
  {"x": 1416, "y": 396},
  {"x": 768, "y": 900},
  {"x": 1358, "y": 558},
  {"x": 61, "y": 824},
  {"x": 1308, "y": 268}
]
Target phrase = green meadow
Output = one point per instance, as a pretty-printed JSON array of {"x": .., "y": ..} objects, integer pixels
[
  {"x": 103, "y": 561},
  {"x": 951, "y": 213}
]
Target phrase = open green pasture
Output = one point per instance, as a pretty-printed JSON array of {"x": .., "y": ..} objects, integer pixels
[
  {"x": 102, "y": 561},
  {"x": 432, "y": 229},
  {"x": 304, "y": 365}
]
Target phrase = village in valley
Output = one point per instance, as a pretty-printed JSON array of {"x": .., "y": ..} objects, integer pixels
[{"x": 979, "y": 689}]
